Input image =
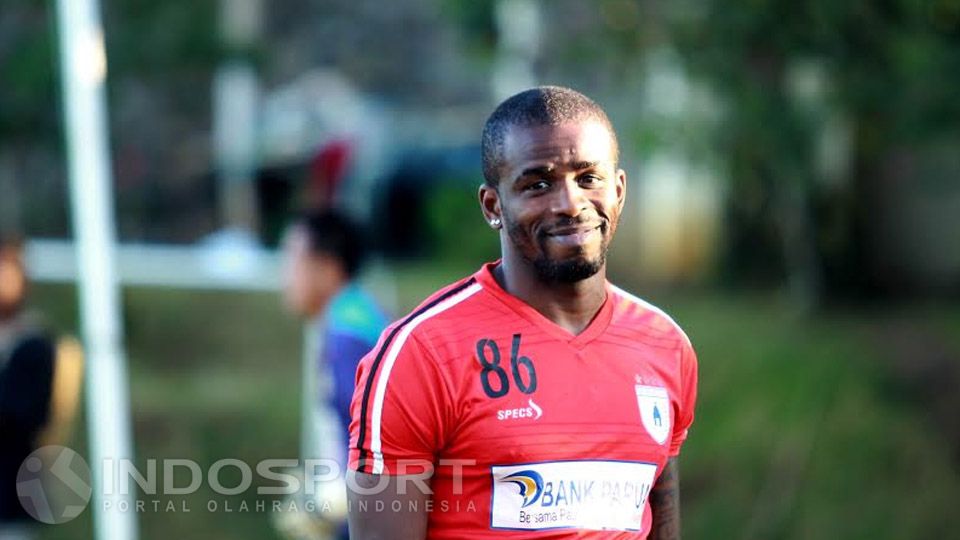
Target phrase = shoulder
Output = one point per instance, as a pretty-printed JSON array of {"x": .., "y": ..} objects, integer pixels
[
  {"x": 451, "y": 305},
  {"x": 409, "y": 351},
  {"x": 634, "y": 314},
  {"x": 447, "y": 309},
  {"x": 27, "y": 367},
  {"x": 353, "y": 312},
  {"x": 33, "y": 344}
]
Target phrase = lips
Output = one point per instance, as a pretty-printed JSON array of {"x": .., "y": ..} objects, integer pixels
[
  {"x": 573, "y": 236},
  {"x": 578, "y": 229}
]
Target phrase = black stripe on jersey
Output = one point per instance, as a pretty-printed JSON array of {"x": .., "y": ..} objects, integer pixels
[{"x": 368, "y": 388}]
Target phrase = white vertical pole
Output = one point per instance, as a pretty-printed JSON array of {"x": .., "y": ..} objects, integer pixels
[
  {"x": 235, "y": 110},
  {"x": 83, "y": 72},
  {"x": 235, "y": 97}
]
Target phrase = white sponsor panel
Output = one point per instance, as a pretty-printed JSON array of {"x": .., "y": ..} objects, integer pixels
[
  {"x": 596, "y": 495},
  {"x": 654, "y": 403}
]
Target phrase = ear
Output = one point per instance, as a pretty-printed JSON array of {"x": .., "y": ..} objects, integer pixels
[
  {"x": 489, "y": 203},
  {"x": 621, "y": 189}
]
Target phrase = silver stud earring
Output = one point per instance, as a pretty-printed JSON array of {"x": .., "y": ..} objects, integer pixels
[{"x": 495, "y": 223}]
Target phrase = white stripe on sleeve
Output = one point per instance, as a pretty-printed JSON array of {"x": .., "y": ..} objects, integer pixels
[{"x": 395, "y": 347}]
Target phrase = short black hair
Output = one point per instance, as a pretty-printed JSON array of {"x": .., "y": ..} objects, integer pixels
[
  {"x": 331, "y": 232},
  {"x": 541, "y": 106}
]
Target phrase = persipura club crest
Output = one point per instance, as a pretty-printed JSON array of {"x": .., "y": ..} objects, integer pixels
[{"x": 654, "y": 404}]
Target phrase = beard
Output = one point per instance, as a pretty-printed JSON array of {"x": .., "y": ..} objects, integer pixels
[
  {"x": 553, "y": 271},
  {"x": 567, "y": 271}
]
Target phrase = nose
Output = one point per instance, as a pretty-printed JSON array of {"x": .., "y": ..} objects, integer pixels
[{"x": 570, "y": 199}]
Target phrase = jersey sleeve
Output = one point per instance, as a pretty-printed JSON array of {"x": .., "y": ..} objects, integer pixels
[
  {"x": 342, "y": 353},
  {"x": 399, "y": 408},
  {"x": 687, "y": 398}
]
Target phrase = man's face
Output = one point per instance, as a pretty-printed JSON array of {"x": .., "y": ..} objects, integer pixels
[
  {"x": 559, "y": 197},
  {"x": 13, "y": 286},
  {"x": 307, "y": 277}
]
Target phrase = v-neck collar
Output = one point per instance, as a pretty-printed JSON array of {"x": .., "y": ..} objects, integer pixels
[{"x": 596, "y": 327}]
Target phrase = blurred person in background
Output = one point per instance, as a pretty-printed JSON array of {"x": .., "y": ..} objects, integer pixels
[
  {"x": 534, "y": 397},
  {"x": 324, "y": 251},
  {"x": 40, "y": 379}
]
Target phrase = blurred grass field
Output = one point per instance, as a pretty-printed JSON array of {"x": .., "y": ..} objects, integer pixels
[{"x": 806, "y": 428}]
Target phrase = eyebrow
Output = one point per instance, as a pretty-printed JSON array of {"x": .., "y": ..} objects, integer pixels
[
  {"x": 580, "y": 165},
  {"x": 542, "y": 170},
  {"x": 545, "y": 170}
]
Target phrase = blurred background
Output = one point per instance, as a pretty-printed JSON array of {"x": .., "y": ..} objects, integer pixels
[{"x": 793, "y": 202}]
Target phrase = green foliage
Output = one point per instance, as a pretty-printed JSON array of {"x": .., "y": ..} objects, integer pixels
[
  {"x": 798, "y": 435},
  {"x": 456, "y": 227},
  {"x": 153, "y": 39},
  {"x": 894, "y": 59},
  {"x": 213, "y": 375},
  {"x": 476, "y": 20},
  {"x": 890, "y": 71},
  {"x": 28, "y": 106}
]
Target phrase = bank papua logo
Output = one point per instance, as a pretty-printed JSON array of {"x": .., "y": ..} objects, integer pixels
[
  {"x": 53, "y": 484},
  {"x": 530, "y": 484}
]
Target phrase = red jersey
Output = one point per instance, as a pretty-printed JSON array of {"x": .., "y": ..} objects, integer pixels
[{"x": 530, "y": 431}]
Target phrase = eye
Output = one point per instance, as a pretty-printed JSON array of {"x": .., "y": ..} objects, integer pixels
[
  {"x": 591, "y": 180},
  {"x": 537, "y": 185}
]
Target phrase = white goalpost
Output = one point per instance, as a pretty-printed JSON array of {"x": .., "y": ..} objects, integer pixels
[{"x": 83, "y": 68}]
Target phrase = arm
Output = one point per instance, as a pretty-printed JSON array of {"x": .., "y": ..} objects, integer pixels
[
  {"x": 373, "y": 499},
  {"x": 665, "y": 503},
  {"x": 67, "y": 384},
  {"x": 665, "y": 495},
  {"x": 397, "y": 429}
]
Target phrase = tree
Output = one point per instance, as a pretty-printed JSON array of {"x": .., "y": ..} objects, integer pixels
[{"x": 891, "y": 69}]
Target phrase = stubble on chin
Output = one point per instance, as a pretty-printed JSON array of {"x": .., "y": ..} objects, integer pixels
[
  {"x": 567, "y": 271},
  {"x": 573, "y": 269},
  {"x": 551, "y": 271}
]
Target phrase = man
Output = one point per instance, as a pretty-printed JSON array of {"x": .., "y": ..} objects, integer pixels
[
  {"x": 324, "y": 251},
  {"x": 533, "y": 399},
  {"x": 40, "y": 382}
]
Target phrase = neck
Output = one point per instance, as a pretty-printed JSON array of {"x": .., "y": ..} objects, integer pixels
[
  {"x": 569, "y": 305},
  {"x": 323, "y": 302}
]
